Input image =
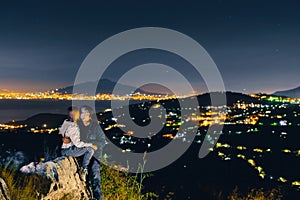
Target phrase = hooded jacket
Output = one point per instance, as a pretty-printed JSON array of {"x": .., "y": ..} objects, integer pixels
[{"x": 94, "y": 134}]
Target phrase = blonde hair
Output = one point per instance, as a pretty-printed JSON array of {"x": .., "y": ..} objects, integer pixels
[{"x": 76, "y": 116}]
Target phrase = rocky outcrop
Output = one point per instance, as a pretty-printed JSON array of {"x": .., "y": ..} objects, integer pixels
[
  {"x": 4, "y": 192},
  {"x": 65, "y": 181}
]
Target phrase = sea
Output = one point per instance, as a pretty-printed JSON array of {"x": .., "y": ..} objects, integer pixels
[{"x": 22, "y": 109}]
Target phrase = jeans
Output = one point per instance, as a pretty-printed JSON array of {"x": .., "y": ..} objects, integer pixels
[
  {"x": 96, "y": 179},
  {"x": 74, "y": 151}
]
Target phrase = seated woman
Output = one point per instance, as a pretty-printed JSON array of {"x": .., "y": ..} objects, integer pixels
[
  {"x": 91, "y": 132},
  {"x": 73, "y": 146}
]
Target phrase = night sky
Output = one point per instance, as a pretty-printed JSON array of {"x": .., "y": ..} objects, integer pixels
[{"x": 255, "y": 44}]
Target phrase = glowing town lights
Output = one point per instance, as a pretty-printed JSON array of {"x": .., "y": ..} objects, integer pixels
[
  {"x": 259, "y": 169},
  {"x": 251, "y": 162},
  {"x": 7, "y": 126},
  {"x": 59, "y": 96},
  {"x": 296, "y": 183},
  {"x": 258, "y": 150},
  {"x": 129, "y": 133},
  {"x": 283, "y": 123},
  {"x": 281, "y": 179},
  {"x": 262, "y": 175},
  {"x": 241, "y": 148},
  {"x": 241, "y": 156},
  {"x": 286, "y": 151},
  {"x": 168, "y": 135},
  {"x": 220, "y": 145},
  {"x": 221, "y": 154}
]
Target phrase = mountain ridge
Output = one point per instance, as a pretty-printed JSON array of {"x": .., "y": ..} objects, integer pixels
[{"x": 293, "y": 93}]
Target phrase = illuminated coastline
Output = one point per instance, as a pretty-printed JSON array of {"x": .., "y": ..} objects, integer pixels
[{"x": 58, "y": 96}]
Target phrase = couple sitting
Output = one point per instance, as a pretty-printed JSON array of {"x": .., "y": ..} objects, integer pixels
[{"x": 82, "y": 136}]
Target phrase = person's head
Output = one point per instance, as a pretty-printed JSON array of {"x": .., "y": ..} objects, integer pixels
[
  {"x": 73, "y": 113},
  {"x": 86, "y": 114}
]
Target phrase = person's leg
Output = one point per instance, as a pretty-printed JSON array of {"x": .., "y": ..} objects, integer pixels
[
  {"x": 73, "y": 151},
  {"x": 87, "y": 157},
  {"x": 96, "y": 179}
]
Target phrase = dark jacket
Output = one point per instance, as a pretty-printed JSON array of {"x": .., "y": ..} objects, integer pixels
[{"x": 93, "y": 134}]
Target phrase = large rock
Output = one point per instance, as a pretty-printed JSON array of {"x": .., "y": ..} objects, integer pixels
[
  {"x": 4, "y": 192},
  {"x": 65, "y": 181}
]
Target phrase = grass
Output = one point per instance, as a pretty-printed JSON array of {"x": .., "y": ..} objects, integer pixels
[
  {"x": 115, "y": 184},
  {"x": 260, "y": 194},
  {"x": 123, "y": 185},
  {"x": 24, "y": 187}
]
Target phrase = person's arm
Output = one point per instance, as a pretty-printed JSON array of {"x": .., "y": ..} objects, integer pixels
[
  {"x": 63, "y": 128},
  {"x": 74, "y": 134}
]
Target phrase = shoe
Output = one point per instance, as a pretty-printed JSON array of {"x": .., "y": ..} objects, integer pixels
[
  {"x": 97, "y": 198},
  {"x": 83, "y": 173}
]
